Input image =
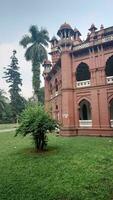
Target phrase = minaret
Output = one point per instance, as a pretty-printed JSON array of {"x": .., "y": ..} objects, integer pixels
[
  {"x": 54, "y": 50},
  {"x": 77, "y": 35},
  {"x": 92, "y": 29},
  {"x": 66, "y": 33},
  {"x": 101, "y": 32}
]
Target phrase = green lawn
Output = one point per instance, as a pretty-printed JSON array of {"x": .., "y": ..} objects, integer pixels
[
  {"x": 7, "y": 126},
  {"x": 79, "y": 168}
]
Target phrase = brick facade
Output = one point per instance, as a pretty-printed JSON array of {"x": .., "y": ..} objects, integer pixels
[{"x": 79, "y": 81}]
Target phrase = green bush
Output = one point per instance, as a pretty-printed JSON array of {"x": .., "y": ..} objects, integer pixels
[{"x": 35, "y": 121}]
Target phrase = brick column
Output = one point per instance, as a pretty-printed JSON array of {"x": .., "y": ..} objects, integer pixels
[
  {"x": 67, "y": 95},
  {"x": 47, "y": 94}
]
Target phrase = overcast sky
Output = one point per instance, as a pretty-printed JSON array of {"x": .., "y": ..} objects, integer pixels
[{"x": 16, "y": 16}]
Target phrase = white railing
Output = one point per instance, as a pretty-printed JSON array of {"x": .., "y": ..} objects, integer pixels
[
  {"x": 109, "y": 79},
  {"x": 85, "y": 123},
  {"x": 96, "y": 42},
  {"x": 83, "y": 83},
  {"x": 111, "y": 122}
]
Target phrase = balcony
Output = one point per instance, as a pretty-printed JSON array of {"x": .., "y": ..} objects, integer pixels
[
  {"x": 111, "y": 122},
  {"x": 85, "y": 123},
  {"x": 109, "y": 79},
  {"x": 85, "y": 83}
]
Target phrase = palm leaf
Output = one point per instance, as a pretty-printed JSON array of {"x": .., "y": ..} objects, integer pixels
[
  {"x": 25, "y": 41},
  {"x": 29, "y": 53},
  {"x": 34, "y": 32}
]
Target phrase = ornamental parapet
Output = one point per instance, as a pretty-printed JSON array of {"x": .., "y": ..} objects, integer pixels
[
  {"x": 94, "y": 43},
  {"x": 85, "y": 83},
  {"x": 109, "y": 79}
]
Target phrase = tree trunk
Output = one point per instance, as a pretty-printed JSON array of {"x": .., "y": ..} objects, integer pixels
[{"x": 39, "y": 141}]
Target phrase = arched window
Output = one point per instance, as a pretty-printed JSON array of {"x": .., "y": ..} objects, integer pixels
[
  {"x": 56, "y": 85},
  {"x": 85, "y": 110},
  {"x": 111, "y": 109},
  {"x": 82, "y": 72},
  {"x": 109, "y": 67}
]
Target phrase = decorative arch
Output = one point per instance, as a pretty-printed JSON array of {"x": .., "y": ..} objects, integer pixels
[
  {"x": 109, "y": 66},
  {"x": 84, "y": 110},
  {"x": 82, "y": 72},
  {"x": 87, "y": 98},
  {"x": 111, "y": 109},
  {"x": 110, "y": 97}
]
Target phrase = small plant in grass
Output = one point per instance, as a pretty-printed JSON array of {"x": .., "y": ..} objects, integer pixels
[{"x": 35, "y": 121}]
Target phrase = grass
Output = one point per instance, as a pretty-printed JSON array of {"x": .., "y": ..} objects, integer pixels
[
  {"x": 7, "y": 126},
  {"x": 79, "y": 168}
]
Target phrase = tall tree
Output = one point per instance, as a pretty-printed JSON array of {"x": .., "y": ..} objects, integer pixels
[
  {"x": 13, "y": 77},
  {"x": 36, "y": 44},
  {"x": 41, "y": 95},
  {"x": 2, "y": 102},
  {"x": 5, "y": 111}
]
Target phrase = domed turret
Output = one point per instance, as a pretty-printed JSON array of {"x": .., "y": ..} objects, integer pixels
[
  {"x": 77, "y": 34},
  {"x": 92, "y": 28},
  {"x": 76, "y": 31},
  {"x": 53, "y": 41},
  {"x": 65, "y": 31},
  {"x": 47, "y": 67}
]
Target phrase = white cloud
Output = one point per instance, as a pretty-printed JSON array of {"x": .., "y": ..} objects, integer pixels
[{"x": 25, "y": 68}]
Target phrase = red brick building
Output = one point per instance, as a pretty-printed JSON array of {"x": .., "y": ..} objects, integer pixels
[{"x": 79, "y": 81}]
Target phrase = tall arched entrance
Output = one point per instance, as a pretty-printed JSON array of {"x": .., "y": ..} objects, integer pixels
[
  {"x": 109, "y": 70},
  {"x": 85, "y": 114},
  {"x": 111, "y": 113}
]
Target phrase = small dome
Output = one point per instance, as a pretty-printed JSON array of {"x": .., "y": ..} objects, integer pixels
[
  {"x": 65, "y": 26},
  {"x": 53, "y": 39},
  {"x": 77, "y": 31},
  {"x": 92, "y": 27}
]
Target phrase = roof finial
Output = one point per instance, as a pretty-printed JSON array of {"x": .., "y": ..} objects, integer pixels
[{"x": 101, "y": 27}]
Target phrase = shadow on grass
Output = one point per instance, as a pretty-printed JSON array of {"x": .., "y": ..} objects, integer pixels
[{"x": 32, "y": 151}]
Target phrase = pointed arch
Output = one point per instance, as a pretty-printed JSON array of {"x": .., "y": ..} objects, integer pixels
[
  {"x": 85, "y": 110},
  {"x": 109, "y": 66},
  {"x": 111, "y": 109},
  {"x": 82, "y": 72}
]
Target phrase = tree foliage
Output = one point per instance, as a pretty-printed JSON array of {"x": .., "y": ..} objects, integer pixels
[
  {"x": 13, "y": 78},
  {"x": 5, "y": 108},
  {"x": 35, "y": 121},
  {"x": 41, "y": 95},
  {"x": 2, "y": 100},
  {"x": 36, "y": 44}
]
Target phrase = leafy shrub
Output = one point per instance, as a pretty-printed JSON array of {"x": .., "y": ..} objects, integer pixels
[{"x": 35, "y": 121}]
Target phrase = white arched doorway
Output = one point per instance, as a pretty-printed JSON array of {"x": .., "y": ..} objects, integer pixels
[
  {"x": 85, "y": 114},
  {"x": 111, "y": 112}
]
